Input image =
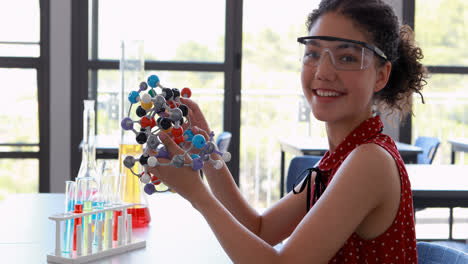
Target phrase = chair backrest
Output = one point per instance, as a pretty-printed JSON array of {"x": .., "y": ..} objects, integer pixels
[
  {"x": 429, "y": 146},
  {"x": 296, "y": 167},
  {"x": 223, "y": 141},
  {"x": 431, "y": 253}
]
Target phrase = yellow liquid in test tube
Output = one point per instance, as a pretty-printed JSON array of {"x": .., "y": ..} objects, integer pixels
[
  {"x": 88, "y": 206},
  {"x": 130, "y": 183}
]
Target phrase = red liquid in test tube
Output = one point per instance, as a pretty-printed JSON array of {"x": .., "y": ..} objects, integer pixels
[{"x": 78, "y": 210}]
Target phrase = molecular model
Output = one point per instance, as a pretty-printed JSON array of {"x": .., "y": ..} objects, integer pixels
[{"x": 171, "y": 113}]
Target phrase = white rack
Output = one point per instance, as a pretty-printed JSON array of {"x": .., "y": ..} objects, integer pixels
[{"x": 93, "y": 252}]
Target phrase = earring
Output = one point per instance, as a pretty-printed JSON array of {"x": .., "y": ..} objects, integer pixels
[{"x": 374, "y": 110}]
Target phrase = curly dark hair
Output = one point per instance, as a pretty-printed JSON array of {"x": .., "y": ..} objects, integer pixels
[{"x": 378, "y": 22}]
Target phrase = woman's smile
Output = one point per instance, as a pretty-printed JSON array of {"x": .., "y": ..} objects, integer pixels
[{"x": 322, "y": 95}]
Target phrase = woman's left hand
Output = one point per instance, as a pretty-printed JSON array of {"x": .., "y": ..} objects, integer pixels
[{"x": 185, "y": 181}]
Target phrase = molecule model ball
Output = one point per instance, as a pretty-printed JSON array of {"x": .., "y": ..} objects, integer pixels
[{"x": 171, "y": 115}]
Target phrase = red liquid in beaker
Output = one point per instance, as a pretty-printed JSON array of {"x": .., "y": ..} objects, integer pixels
[
  {"x": 140, "y": 218},
  {"x": 78, "y": 210}
]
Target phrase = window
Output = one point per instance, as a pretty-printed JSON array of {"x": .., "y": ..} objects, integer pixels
[
  {"x": 24, "y": 77},
  {"x": 188, "y": 53},
  {"x": 441, "y": 32},
  {"x": 271, "y": 93}
]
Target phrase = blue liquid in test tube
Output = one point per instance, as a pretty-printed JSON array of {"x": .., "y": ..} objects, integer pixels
[{"x": 69, "y": 207}]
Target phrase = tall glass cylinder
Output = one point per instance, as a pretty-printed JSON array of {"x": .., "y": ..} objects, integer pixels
[{"x": 131, "y": 75}]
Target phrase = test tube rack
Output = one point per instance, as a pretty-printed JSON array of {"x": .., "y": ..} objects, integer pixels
[{"x": 92, "y": 252}]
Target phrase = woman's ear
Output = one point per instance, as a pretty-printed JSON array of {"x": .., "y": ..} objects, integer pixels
[{"x": 383, "y": 74}]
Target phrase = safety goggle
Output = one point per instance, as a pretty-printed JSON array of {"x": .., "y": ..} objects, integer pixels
[{"x": 345, "y": 54}]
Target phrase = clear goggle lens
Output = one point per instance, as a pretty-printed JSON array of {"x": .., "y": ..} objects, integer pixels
[{"x": 343, "y": 55}]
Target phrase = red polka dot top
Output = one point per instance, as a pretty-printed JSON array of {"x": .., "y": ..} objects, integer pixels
[{"x": 398, "y": 243}]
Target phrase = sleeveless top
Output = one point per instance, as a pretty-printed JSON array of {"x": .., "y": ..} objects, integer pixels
[{"x": 398, "y": 243}]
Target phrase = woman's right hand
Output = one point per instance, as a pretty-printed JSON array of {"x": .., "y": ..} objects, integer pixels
[{"x": 196, "y": 115}]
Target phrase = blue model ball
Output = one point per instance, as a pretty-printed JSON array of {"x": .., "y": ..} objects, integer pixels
[
  {"x": 198, "y": 141},
  {"x": 188, "y": 135},
  {"x": 194, "y": 156},
  {"x": 153, "y": 81},
  {"x": 133, "y": 97}
]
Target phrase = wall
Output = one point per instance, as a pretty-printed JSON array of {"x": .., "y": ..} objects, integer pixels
[
  {"x": 391, "y": 126},
  {"x": 60, "y": 87}
]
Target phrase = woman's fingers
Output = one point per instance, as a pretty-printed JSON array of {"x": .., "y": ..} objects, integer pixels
[
  {"x": 170, "y": 145},
  {"x": 197, "y": 130},
  {"x": 191, "y": 104},
  {"x": 195, "y": 114}
]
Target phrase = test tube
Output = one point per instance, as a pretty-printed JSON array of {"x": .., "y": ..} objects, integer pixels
[
  {"x": 85, "y": 187},
  {"x": 69, "y": 208},
  {"x": 78, "y": 210},
  {"x": 107, "y": 192}
]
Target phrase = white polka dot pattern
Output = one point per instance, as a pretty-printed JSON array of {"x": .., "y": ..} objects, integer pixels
[{"x": 398, "y": 243}]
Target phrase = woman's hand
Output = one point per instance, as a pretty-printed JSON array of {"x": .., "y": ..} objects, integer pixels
[
  {"x": 196, "y": 115},
  {"x": 185, "y": 181}
]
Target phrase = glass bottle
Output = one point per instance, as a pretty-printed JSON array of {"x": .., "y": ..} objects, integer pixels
[
  {"x": 131, "y": 189},
  {"x": 88, "y": 177}
]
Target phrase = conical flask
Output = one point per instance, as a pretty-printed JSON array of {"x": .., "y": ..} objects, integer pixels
[
  {"x": 131, "y": 189},
  {"x": 87, "y": 179}
]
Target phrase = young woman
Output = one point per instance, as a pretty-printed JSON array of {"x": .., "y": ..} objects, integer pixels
[{"x": 356, "y": 58}]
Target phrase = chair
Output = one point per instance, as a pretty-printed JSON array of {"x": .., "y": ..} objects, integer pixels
[
  {"x": 223, "y": 141},
  {"x": 429, "y": 146},
  {"x": 296, "y": 167},
  {"x": 431, "y": 253},
  {"x": 460, "y": 246}
]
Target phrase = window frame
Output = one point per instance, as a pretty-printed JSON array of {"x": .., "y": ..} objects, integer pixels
[{"x": 42, "y": 66}]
